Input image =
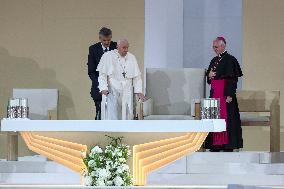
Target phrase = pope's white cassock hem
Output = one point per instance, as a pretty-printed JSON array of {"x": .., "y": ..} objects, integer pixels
[{"x": 120, "y": 76}]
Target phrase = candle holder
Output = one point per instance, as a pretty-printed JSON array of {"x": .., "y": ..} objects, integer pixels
[
  {"x": 210, "y": 108},
  {"x": 17, "y": 108}
]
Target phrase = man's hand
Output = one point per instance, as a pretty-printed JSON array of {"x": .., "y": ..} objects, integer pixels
[
  {"x": 105, "y": 92},
  {"x": 141, "y": 97},
  {"x": 211, "y": 74},
  {"x": 229, "y": 99}
]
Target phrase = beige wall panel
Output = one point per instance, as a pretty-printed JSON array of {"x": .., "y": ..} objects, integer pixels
[
  {"x": 21, "y": 28},
  {"x": 20, "y": 39},
  {"x": 20, "y": 8},
  {"x": 263, "y": 60},
  {"x": 111, "y": 9},
  {"x": 3, "y": 147}
]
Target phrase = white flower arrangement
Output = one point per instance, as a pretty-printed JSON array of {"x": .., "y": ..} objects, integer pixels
[{"x": 107, "y": 167}]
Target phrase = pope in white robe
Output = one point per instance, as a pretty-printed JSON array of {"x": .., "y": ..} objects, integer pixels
[{"x": 119, "y": 78}]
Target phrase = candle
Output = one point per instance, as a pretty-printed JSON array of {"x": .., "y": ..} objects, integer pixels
[{"x": 24, "y": 102}]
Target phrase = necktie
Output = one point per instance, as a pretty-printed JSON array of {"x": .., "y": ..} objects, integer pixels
[{"x": 105, "y": 50}]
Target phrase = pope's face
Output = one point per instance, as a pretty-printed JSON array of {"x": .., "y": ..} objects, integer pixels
[
  {"x": 123, "y": 48},
  {"x": 105, "y": 41},
  {"x": 218, "y": 47}
]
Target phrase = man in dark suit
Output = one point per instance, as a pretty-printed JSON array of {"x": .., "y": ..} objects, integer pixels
[{"x": 95, "y": 53}]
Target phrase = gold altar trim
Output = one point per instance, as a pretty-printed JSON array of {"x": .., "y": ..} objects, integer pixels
[
  {"x": 147, "y": 157},
  {"x": 66, "y": 153},
  {"x": 154, "y": 155}
]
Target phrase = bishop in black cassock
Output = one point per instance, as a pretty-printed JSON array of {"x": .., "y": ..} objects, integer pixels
[{"x": 223, "y": 73}]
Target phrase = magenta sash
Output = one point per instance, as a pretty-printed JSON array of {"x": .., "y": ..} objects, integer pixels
[{"x": 218, "y": 86}]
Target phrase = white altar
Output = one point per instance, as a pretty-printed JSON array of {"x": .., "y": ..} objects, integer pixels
[
  {"x": 147, "y": 157},
  {"x": 210, "y": 125}
]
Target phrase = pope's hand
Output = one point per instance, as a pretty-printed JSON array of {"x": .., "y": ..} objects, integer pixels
[
  {"x": 104, "y": 92},
  {"x": 141, "y": 97}
]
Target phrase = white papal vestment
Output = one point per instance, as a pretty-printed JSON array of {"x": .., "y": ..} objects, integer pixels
[{"x": 120, "y": 76}]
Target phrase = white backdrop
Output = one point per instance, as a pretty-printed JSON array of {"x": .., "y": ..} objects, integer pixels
[
  {"x": 179, "y": 33},
  {"x": 163, "y": 34},
  {"x": 203, "y": 21}
]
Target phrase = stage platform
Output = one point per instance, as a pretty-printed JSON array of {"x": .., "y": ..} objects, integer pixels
[{"x": 199, "y": 170}]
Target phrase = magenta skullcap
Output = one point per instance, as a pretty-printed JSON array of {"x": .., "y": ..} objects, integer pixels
[{"x": 222, "y": 39}]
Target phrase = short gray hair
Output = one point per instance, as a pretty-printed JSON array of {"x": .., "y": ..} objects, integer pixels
[
  {"x": 222, "y": 42},
  {"x": 105, "y": 32},
  {"x": 122, "y": 41}
]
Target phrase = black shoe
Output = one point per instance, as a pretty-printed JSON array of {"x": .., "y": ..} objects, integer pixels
[
  {"x": 228, "y": 150},
  {"x": 214, "y": 150}
]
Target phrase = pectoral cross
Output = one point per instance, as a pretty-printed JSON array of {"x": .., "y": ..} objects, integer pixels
[{"x": 123, "y": 73}]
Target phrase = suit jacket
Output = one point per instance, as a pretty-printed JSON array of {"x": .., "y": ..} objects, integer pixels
[{"x": 94, "y": 57}]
